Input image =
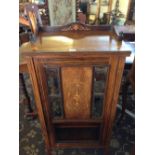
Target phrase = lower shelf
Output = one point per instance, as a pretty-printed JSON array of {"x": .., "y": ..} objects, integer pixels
[{"x": 80, "y": 134}]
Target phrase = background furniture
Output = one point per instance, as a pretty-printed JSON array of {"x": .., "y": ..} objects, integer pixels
[
  {"x": 24, "y": 30},
  {"x": 24, "y": 70},
  {"x": 43, "y": 9},
  {"x": 34, "y": 18},
  {"x": 62, "y": 16},
  {"x": 131, "y": 11},
  {"x": 119, "y": 11},
  {"x": 81, "y": 17},
  {"x": 29, "y": 22},
  {"x": 125, "y": 32},
  {"x": 25, "y": 36},
  {"x": 129, "y": 80}
]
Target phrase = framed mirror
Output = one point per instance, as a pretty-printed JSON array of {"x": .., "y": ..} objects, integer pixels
[
  {"x": 96, "y": 12},
  {"x": 93, "y": 10}
]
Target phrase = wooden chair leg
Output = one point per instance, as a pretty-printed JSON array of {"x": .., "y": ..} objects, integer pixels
[
  {"x": 27, "y": 101},
  {"x": 48, "y": 151},
  {"x": 124, "y": 100},
  {"x": 133, "y": 150},
  {"x": 107, "y": 150}
]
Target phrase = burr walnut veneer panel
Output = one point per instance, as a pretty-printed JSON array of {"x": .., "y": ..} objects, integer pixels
[{"x": 76, "y": 83}]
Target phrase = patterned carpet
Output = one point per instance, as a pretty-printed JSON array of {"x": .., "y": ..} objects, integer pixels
[{"x": 31, "y": 142}]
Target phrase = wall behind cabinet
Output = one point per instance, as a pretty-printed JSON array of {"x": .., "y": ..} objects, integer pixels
[{"x": 62, "y": 12}]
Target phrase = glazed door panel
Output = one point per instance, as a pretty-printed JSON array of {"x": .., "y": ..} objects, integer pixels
[{"x": 73, "y": 92}]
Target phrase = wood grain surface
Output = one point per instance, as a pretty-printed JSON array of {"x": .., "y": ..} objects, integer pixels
[{"x": 76, "y": 83}]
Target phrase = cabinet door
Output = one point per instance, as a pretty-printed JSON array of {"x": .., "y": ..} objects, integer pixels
[
  {"x": 77, "y": 91},
  {"x": 72, "y": 90}
]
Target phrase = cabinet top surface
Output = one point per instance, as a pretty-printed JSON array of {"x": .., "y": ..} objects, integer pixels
[
  {"x": 83, "y": 41},
  {"x": 77, "y": 41}
]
